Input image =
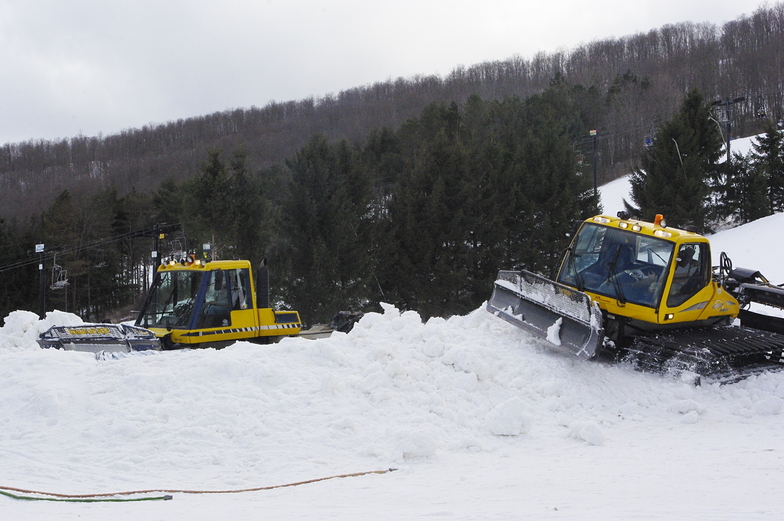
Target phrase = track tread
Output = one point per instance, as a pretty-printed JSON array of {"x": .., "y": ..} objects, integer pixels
[{"x": 723, "y": 353}]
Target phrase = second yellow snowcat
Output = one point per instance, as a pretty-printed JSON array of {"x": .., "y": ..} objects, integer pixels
[{"x": 194, "y": 302}]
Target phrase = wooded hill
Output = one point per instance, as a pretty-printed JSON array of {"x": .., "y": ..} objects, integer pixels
[{"x": 639, "y": 81}]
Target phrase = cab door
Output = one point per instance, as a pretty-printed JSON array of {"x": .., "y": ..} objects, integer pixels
[
  {"x": 242, "y": 312},
  {"x": 689, "y": 290}
]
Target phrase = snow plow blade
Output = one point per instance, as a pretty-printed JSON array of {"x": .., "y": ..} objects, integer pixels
[
  {"x": 559, "y": 314},
  {"x": 97, "y": 338}
]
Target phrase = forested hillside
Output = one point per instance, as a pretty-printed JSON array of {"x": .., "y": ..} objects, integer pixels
[
  {"x": 413, "y": 191},
  {"x": 639, "y": 81}
]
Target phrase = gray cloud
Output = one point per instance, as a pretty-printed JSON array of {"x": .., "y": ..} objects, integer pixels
[{"x": 90, "y": 67}]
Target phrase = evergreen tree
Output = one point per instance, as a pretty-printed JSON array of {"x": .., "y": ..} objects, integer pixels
[
  {"x": 168, "y": 203},
  {"x": 423, "y": 260},
  {"x": 488, "y": 193},
  {"x": 325, "y": 219},
  {"x": 556, "y": 191},
  {"x": 110, "y": 269},
  {"x": 496, "y": 185},
  {"x": 207, "y": 205},
  {"x": 246, "y": 212},
  {"x": 767, "y": 159},
  {"x": 18, "y": 276},
  {"x": 382, "y": 158},
  {"x": 13, "y": 282},
  {"x": 273, "y": 187},
  {"x": 750, "y": 187},
  {"x": 673, "y": 177}
]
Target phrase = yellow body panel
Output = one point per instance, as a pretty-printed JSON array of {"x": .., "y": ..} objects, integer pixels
[{"x": 710, "y": 302}]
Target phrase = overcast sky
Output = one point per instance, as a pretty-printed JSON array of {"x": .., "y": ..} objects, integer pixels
[{"x": 101, "y": 66}]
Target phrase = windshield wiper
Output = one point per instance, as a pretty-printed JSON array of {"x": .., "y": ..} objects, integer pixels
[
  {"x": 613, "y": 274},
  {"x": 578, "y": 277}
]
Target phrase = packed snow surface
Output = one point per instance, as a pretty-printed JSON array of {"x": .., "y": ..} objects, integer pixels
[{"x": 480, "y": 420}]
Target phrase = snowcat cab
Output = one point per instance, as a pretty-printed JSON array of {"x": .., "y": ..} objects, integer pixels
[
  {"x": 194, "y": 302},
  {"x": 640, "y": 287},
  {"x": 645, "y": 277}
]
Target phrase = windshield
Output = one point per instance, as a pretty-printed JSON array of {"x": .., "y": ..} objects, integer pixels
[
  {"x": 617, "y": 263},
  {"x": 171, "y": 299}
]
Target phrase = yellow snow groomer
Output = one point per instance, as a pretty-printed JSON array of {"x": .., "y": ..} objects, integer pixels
[
  {"x": 628, "y": 286},
  {"x": 193, "y": 302}
]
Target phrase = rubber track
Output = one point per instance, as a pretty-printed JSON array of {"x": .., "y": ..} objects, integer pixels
[{"x": 721, "y": 353}]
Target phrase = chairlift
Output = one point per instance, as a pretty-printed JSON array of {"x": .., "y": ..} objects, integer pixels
[
  {"x": 649, "y": 137},
  {"x": 102, "y": 263},
  {"x": 59, "y": 275},
  {"x": 176, "y": 251}
]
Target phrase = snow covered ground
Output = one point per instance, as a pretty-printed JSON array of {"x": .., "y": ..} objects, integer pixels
[{"x": 480, "y": 420}]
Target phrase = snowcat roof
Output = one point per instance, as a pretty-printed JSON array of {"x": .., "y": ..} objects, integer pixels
[{"x": 657, "y": 229}]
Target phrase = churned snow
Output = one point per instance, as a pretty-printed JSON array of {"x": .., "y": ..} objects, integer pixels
[{"x": 480, "y": 420}]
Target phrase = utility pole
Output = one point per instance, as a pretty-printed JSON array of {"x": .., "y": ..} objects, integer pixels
[
  {"x": 727, "y": 113},
  {"x": 156, "y": 247},
  {"x": 39, "y": 249},
  {"x": 595, "y": 183}
]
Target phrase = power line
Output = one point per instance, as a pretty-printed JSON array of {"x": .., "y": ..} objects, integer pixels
[{"x": 148, "y": 232}]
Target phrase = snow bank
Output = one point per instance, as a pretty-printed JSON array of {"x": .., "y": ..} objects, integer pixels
[
  {"x": 21, "y": 329},
  {"x": 393, "y": 391},
  {"x": 754, "y": 245}
]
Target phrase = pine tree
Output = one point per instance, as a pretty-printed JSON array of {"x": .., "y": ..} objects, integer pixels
[
  {"x": 168, "y": 203},
  {"x": 767, "y": 159},
  {"x": 19, "y": 285},
  {"x": 673, "y": 177},
  {"x": 207, "y": 203},
  {"x": 751, "y": 187},
  {"x": 496, "y": 185},
  {"x": 246, "y": 212},
  {"x": 424, "y": 265},
  {"x": 325, "y": 218},
  {"x": 110, "y": 269}
]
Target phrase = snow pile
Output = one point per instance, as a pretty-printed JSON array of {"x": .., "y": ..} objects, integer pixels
[
  {"x": 554, "y": 332},
  {"x": 21, "y": 329},
  {"x": 468, "y": 392}
]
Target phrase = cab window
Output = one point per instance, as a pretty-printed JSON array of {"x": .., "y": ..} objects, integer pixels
[
  {"x": 617, "y": 263},
  {"x": 216, "y": 309},
  {"x": 240, "y": 289},
  {"x": 691, "y": 273}
]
